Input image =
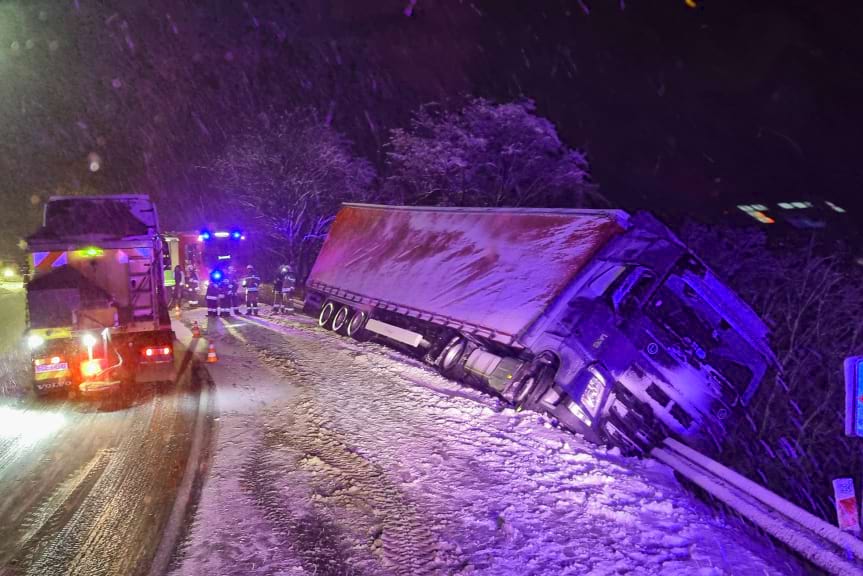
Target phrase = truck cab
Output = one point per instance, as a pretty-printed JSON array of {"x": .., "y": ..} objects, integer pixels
[{"x": 652, "y": 344}]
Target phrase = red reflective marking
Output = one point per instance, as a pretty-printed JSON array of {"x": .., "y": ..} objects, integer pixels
[{"x": 48, "y": 260}]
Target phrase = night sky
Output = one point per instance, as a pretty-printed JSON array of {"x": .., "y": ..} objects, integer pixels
[{"x": 682, "y": 110}]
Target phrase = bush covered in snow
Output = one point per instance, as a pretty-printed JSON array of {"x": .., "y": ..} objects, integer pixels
[
  {"x": 811, "y": 295},
  {"x": 485, "y": 154}
]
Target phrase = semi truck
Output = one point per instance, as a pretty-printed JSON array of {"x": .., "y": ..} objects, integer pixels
[
  {"x": 97, "y": 313},
  {"x": 602, "y": 319}
]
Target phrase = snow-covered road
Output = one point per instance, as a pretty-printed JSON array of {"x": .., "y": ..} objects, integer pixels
[{"x": 335, "y": 457}]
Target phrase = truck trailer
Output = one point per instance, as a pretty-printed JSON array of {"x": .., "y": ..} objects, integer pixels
[
  {"x": 606, "y": 321},
  {"x": 97, "y": 311}
]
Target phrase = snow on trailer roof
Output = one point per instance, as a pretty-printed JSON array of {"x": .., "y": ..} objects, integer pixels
[{"x": 493, "y": 268}]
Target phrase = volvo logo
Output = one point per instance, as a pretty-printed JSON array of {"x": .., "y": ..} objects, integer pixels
[{"x": 652, "y": 348}]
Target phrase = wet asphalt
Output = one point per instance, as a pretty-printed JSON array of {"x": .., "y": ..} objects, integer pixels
[{"x": 87, "y": 486}]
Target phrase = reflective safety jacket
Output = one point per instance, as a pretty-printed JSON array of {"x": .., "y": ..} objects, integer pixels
[
  {"x": 213, "y": 291},
  {"x": 289, "y": 282},
  {"x": 233, "y": 286},
  {"x": 251, "y": 283}
]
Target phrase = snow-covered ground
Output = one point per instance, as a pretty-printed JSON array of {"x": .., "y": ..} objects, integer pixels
[{"x": 334, "y": 457}]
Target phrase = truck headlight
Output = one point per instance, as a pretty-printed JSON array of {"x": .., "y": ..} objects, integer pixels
[
  {"x": 579, "y": 413},
  {"x": 34, "y": 341},
  {"x": 8, "y": 273},
  {"x": 88, "y": 340},
  {"x": 592, "y": 395}
]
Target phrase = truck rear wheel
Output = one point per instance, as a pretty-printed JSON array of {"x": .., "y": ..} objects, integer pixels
[
  {"x": 326, "y": 314},
  {"x": 356, "y": 327},
  {"x": 341, "y": 318}
]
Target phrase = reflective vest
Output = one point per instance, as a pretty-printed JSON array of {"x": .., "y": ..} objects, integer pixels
[{"x": 251, "y": 283}]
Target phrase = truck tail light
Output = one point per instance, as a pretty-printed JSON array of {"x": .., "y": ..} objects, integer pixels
[{"x": 157, "y": 354}]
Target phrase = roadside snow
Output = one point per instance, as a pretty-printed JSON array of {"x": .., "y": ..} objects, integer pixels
[{"x": 333, "y": 457}]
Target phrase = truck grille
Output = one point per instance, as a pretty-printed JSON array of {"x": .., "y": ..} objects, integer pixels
[
  {"x": 681, "y": 416},
  {"x": 657, "y": 394}
]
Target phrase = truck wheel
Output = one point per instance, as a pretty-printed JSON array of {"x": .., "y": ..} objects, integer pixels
[
  {"x": 356, "y": 327},
  {"x": 341, "y": 318},
  {"x": 535, "y": 382},
  {"x": 451, "y": 354},
  {"x": 326, "y": 314}
]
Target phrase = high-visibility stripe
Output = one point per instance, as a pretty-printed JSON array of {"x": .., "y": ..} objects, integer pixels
[{"x": 44, "y": 260}]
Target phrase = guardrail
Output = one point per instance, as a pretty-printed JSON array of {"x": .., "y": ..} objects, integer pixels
[{"x": 823, "y": 544}]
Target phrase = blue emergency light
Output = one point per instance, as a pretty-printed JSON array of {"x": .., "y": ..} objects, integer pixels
[
  {"x": 205, "y": 235},
  {"x": 854, "y": 396},
  {"x": 216, "y": 275},
  {"x": 236, "y": 234}
]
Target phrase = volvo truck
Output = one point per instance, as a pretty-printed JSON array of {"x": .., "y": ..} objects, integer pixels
[{"x": 97, "y": 312}]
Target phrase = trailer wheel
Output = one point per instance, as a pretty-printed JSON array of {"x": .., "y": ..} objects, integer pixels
[
  {"x": 451, "y": 353},
  {"x": 341, "y": 318},
  {"x": 326, "y": 314},
  {"x": 356, "y": 327}
]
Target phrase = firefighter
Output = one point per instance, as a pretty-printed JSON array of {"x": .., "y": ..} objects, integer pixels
[
  {"x": 289, "y": 284},
  {"x": 251, "y": 283},
  {"x": 213, "y": 295},
  {"x": 192, "y": 286},
  {"x": 225, "y": 296},
  {"x": 277, "y": 294},
  {"x": 234, "y": 290}
]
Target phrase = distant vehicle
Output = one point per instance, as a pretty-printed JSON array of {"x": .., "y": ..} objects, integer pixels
[
  {"x": 96, "y": 304},
  {"x": 10, "y": 270},
  {"x": 605, "y": 320},
  {"x": 207, "y": 252}
]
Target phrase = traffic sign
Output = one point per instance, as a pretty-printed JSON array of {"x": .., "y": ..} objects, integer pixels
[{"x": 854, "y": 396}]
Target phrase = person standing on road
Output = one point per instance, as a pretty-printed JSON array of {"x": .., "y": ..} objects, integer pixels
[
  {"x": 177, "y": 299},
  {"x": 192, "y": 286},
  {"x": 225, "y": 297},
  {"x": 251, "y": 283},
  {"x": 234, "y": 290},
  {"x": 213, "y": 298},
  {"x": 277, "y": 294},
  {"x": 289, "y": 284}
]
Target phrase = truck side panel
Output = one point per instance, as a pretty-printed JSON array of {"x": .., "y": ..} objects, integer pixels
[{"x": 495, "y": 269}]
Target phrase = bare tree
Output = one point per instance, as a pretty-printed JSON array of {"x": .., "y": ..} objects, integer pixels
[{"x": 290, "y": 172}]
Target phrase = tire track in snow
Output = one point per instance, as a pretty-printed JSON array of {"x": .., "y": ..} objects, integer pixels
[{"x": 398, "y": 533}]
